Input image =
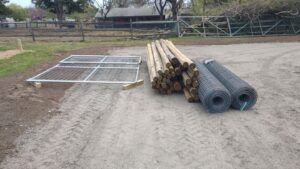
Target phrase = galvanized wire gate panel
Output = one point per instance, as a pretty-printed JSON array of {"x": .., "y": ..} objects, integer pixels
[
  {"x": 230, "y": 26},
  {"x": 92, "y": 69}
]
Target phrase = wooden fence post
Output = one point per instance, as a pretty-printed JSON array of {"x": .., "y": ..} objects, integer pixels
[
  {"x": 82, "y": 33},
  {"x": 31, "y": 31},
  {"x": 203, "y": 26},
  {"x": 131, "y": 31},
  {"x": 178, "y": 26}
]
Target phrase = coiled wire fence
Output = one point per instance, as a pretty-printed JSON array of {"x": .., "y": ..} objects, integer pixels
[
  {"x": 213, "y": 94},
  {"x": 243, "y": 95}
]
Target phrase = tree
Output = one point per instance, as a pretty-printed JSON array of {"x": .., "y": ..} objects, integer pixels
[
  {"x": 127, "y": 3},
  {"x": 36, "y": 13},
  {"x": 60, "y": 7},
  {"x": 175, "y": 6},
  {"x": 140, "y": 3},
  {"x": 3, "y": 9},
  {"x": 18, "y": 12},
  {"x": 121, "y": 3},
  {"x": 160, "y": 6},
  {"x": 89, "y": 12},
  {"x": 199, "y": 7},
  {"x": 106, "y": 7}
]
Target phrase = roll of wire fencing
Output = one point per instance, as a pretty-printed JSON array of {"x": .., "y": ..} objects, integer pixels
[
  {"x": 213, "y": 94},
  {"x": 243, "y": 95}
]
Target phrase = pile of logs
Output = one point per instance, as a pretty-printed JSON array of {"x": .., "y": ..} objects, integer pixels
[{"x": 171, "y": 71}]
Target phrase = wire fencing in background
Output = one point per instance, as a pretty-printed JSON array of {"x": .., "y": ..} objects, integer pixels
[
  {"x": 204, "y": 26},
  {"x": 219, "y": 26}
]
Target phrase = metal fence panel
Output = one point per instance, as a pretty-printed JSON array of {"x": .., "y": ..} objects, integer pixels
[
  {"x": 229, "y": 26},
  {"x": 92, "y": 69}
]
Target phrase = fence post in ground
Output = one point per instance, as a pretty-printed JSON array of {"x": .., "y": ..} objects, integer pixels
[
  {"x": 31, "y": 31},
  {"x": 261, "y": 30},
  {"x": 82, "y": 32},
  {"x": 203, "y": 25},
  {"x": 229, "y": 26},
  {"x": 178, "y": 26},
  {"x": 250, "y": 24},
  {"x": 131, "y": 31},
  {"x": 292, "y": 26},
  {"x": 33, "y": 36}
]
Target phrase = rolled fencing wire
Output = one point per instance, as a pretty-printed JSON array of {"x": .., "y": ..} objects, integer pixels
[
  {"x": 213, "y": 94},
  {"x": 243, "y": 95}
]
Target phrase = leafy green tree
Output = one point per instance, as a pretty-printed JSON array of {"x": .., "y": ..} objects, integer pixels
[
  {"x": 89, "y": 12},
  {"x": 3, "y": 9},
  {"x": 61, "y": 7},
  {"x": 18, "y": 12}
]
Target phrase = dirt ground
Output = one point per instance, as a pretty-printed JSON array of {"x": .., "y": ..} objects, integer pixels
[
  {"x": 9, "y": 53},
  {"x": 101, "y": 126},
  {"x": 22, "y": 106}
]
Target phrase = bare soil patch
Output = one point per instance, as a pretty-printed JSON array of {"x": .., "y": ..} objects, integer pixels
[
  {"x": 23, "y": 106},
  {"x": 9, "y": 53}
]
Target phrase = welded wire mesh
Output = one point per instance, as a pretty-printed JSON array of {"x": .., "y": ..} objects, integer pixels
[
  {"x": 213, "y": 95},
  {"x": 113, "y": 75},
  {"x": 83, "y": 58},
  {"x": 244, "y": 96},
  {"x": 60, "y": 73},
  {"x": 92, "y": 69}
]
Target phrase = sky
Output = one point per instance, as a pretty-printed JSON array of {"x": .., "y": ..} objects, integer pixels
[
  {"x": 27, "y": 3},
  {"x": 23, "y": 3}
]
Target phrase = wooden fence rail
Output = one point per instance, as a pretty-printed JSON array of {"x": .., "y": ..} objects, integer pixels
[{"x": 204, "y": 26}]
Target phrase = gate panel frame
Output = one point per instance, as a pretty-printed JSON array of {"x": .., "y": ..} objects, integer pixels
[{"x": 87, "y": 78}]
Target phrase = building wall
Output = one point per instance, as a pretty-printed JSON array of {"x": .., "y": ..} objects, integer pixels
[{"x": 123, "y": 22}]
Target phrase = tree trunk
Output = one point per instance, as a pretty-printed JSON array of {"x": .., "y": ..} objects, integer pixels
[
  {"x": 174, "y": 10},
  {"x": 174, "y": 13},
  {"x": 204, "y": 7}
]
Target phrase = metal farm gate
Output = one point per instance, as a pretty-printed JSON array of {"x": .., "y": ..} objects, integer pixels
[
  {"x": 92, "y": 69},
  {"x": 219, "y": 26}
]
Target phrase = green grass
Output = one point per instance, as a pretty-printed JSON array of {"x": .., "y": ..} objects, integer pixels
[
  {"x": 40, "y": 52},
  {"x": 7, "y": 46},
  {"x": 35, "y": 53}
]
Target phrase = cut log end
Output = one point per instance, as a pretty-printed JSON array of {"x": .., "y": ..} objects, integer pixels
[{"x": 188, "y": 95}]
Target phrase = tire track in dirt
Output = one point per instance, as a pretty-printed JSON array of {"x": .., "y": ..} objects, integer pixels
[
  {"x": 60, "y": 140},
  {"x": 141, "y": 129},
  {"x": 265, "y": 137}
]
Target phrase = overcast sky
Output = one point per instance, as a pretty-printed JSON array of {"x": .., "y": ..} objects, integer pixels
[
  {"x": 24, "y": 3},
  {"x": 27, "y": 3}
]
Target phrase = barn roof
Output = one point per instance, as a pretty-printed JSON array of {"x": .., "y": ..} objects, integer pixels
[{"x": 127, "y": 12}]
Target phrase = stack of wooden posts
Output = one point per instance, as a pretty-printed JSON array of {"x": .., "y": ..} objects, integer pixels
[{"x": 171, "y": 71}]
